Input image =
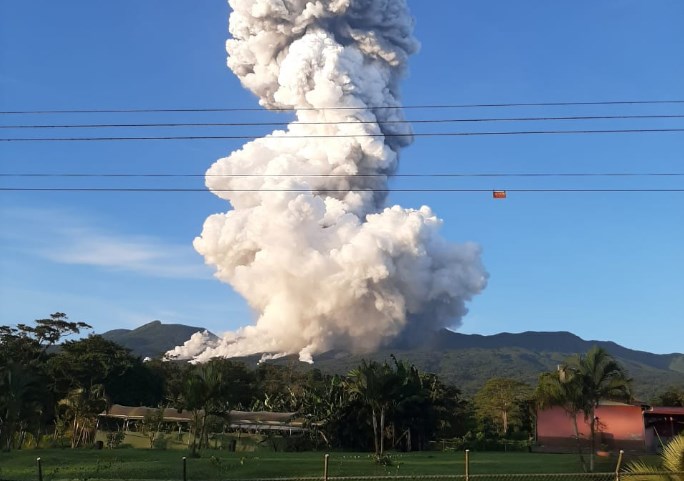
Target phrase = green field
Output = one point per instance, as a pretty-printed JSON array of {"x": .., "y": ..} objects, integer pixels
[{"x": 129, "y": 464}]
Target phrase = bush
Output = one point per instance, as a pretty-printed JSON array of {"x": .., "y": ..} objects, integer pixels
[
  {"x": 160, "y": 442},
  {"x": 114, "y": 439}
]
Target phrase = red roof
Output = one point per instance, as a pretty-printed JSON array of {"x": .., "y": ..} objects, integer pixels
[{"x": 677, "y": 411}]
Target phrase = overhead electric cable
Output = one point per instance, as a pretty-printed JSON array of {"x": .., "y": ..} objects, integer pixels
[
  {"x": 332, "y": 136},
  {"x": 315, "y": 191},
  {"x": 346, "y": 122},
  {"x": 439, "y": 174},
  {"x": 400, "y": 107}
]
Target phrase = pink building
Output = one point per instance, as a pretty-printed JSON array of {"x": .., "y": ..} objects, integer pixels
[{"x": 619, "y": 426}]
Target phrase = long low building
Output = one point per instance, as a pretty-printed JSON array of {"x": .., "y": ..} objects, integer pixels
[{"x": 249, "y": 420}]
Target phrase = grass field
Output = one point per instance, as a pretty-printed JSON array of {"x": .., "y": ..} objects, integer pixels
[{"x": 144, "y": 464}]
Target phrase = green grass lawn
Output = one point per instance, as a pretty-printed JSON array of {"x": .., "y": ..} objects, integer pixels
[{"x": 131, "y": 464}]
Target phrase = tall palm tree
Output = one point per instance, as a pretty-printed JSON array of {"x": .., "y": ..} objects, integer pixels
[
  {"x": 205, "y": 394},
  {"x": 581, "y": 385},
  {"x": 374, "y": 384},
  {"x": 563, "y": 388},
  {"x": 672, "y": 460},
  {"x": 601, "y": 378},
  {"x": 412, "y": 404}
]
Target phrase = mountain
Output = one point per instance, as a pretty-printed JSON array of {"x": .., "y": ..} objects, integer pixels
[
  {"x": 152, "y": 339},
  {"x": 468, "y": 360},
  {"x": 465, "y": 360}
]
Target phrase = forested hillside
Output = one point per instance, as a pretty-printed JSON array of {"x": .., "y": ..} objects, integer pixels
[{"x": 463, "y": 360}]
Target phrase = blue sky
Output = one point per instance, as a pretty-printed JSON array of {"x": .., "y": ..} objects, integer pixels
[{"x": 605, "y": 266}]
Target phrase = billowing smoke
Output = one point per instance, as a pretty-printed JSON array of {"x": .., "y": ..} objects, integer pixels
[{"x": 308, "y": 242}]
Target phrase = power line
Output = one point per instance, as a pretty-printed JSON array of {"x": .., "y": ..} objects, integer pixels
[
  {"x": 383, "y": 107},
  {"x": 433, "y": 175},
  {"x": 346, "y": 122},
  {"x": 330, "y": 136},
  {"x": 155, "y": 189}
]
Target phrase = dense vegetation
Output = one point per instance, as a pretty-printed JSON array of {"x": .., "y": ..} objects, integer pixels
[{"x": 52, "y": 396}]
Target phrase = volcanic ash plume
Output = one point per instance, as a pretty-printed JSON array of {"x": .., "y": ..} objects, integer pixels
[{"x": 308, "y": 242}]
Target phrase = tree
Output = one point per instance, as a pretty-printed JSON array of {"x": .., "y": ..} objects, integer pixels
[
  {"x": 413, "y": 415},
  {"x": 278, "y": 388},
  {"x": 88, "y": 362},
  {"x": 672, "y": 461},
  {"x": 450, "y": 411},
  {"x": 562, "y": 388},
  {"x": 672, "y": 396},
  {"x": 136, "y": 385},
  {"x": 400, "y": 398},
  {"x": 80, "y": 409},
  {"x": 19, "y": 347},
  {"x": 172, "y": 376},
  {"x": 48, "y": 332},
  {"x": 375, "y": 385},
  {"x": 601, "y": 378},
  {"x": 26, "y": 398},
  {"x": 582, "y": 384},
  {"x": 501, "y": 399},
  {"x": 21, "y": 392},
  {"x": 325, "y": 403},
  {"x": 213, "y": 389},
  {"x": 152, "y": 425}
]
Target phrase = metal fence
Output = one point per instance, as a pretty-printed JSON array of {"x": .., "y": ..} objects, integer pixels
[{"x": 617, "y": 475}]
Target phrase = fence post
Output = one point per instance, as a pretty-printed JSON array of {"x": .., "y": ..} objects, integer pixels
[
  {"x": 619, "y": 463},
  {"x": 467, "y": 465},
  {"x": 40, "y": 469},
  {"x": 185, "y": 468},
  {"x": 326, "y": 459}
]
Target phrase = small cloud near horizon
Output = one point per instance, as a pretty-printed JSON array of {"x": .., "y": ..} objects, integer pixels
[{"x": 70, "y": 239}]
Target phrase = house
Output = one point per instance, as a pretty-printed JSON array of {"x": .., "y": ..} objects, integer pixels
[{"x": 630, "y": 427}]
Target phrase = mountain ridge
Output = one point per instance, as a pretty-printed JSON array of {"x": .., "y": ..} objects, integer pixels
[
  {"x": 152, "y": 339},
  {"x": 544, "y": 338},
  {"x": 465, "y": 360}
]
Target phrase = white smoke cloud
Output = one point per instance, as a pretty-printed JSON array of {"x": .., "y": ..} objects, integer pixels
[{"x": 329, "y": 267}]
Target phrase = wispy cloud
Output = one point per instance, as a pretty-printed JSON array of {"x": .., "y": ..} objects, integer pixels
[{"x": 64, "y": 238}]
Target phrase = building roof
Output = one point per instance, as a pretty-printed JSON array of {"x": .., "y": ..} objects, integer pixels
[
  {"x": 665, "y": 410},
  {"x": 245, "y": 419},
  {"x": 139, "y": 412}
]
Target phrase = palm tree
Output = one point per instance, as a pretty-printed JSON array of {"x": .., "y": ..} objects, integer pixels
[
  {"x": 396, "y": 396},
  {"x": 562, "y": 388},
  {"x": 205, "y": 394},
  {"x": 672, "y": 460},
  {"x": 581, "y": 385},
  {"x": 601, "y": 378},
  {"x": 412, "y": 405},
  {"x": 81, "y": 407},
  {"x": 374, "y": 384}
]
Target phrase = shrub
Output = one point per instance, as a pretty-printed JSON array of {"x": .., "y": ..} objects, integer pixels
[
  {"x": 160, "y": 442},
  {"x": 115, "y": 438}
]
